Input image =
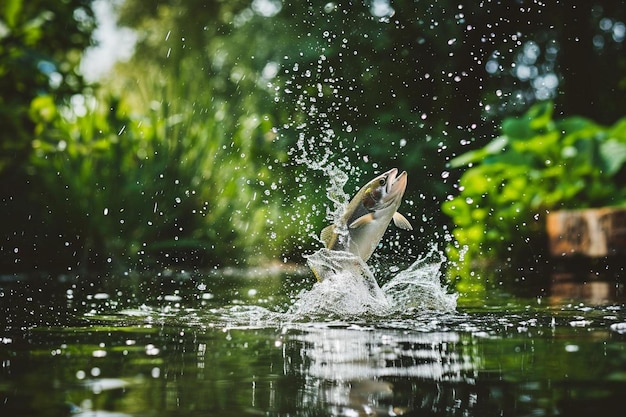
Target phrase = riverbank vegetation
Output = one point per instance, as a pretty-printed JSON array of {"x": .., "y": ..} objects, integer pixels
[
  {"x": 537, "y": 164},
  {"x": 207, "y": 147}
]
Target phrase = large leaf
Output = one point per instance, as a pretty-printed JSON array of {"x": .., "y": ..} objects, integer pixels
[
  {"x": 541, "y": 115},
  {"x": 612, "y": 156},
  {"x": 539, "y": 145},
  {"x": 536, "y": 120},
  {"x": 10, "y": 11},
  {"x": 618, "y": 131}
]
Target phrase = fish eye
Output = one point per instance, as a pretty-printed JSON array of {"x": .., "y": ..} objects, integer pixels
[{"x": 382, "y": 181}]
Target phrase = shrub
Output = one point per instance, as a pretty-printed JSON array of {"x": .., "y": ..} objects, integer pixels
[
  {"x": 170, "y": 185},
  {"x": 538, "y": 164}
]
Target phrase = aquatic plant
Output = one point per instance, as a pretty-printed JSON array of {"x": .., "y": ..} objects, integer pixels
[{"x": 536, "y": 165}]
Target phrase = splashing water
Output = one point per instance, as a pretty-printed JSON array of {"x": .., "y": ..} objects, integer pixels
[
  {"x": 348, "y": 288},
  {"x": 348, "y": 291},
  {"x": 336, "y": 176},
  {"x": 419, "y": 286}
]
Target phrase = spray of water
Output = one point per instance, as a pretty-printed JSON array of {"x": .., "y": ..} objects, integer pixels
[{"x": 348, "y": 289}]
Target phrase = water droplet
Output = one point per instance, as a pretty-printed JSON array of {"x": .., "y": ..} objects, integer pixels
[
  {"x": 330, "y": 7},
  {"x": 98, "y": 354},
  {"x": 152, "y": 350}
]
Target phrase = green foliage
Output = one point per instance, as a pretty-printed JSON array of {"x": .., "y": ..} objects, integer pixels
[
  {"x": 41, "y": 43},
  {"x": 403, "y": 89},
  {"x": 208, "y": 82},
  {"x": 538, "y": 164},
  {"x": 168, "y": 185}
]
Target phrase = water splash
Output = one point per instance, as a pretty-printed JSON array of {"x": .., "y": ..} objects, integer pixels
[
  {"x": 419, "y": 286},
  {"x": 337, "y": 177},
  {"x": 348, "y": 288},
  {"x": 347, "y": 292}
]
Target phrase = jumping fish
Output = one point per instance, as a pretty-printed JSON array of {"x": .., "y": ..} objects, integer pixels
[{"x": 367, "y": 216}]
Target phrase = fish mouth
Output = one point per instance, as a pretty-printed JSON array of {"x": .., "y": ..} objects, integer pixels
[{"x": 396, "y": 184}]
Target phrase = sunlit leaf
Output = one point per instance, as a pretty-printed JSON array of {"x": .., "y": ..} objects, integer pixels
[
  {"x": 10, "y": 11},
  {"x": 540, "y": 115},
  {"x": 43, "y": 109},
  {"x": 618, "y": 131},
  {"x": 494, "y": 147},
  {"x": 613, "y": 154},
  {"x": 541, "y": 145}
]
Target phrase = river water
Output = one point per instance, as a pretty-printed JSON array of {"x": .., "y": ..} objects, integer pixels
[{"x": 257, "y": 342}]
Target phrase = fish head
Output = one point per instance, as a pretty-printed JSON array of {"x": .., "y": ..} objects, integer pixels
[{"x": 386, "y": 190}]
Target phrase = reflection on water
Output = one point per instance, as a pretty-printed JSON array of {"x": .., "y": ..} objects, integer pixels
[
  {"x": 589, "y": 287},
  {"x": 211, "y": 346},
  {"x": 356, "y": 371},
  {"x": 354, "y": 354}
]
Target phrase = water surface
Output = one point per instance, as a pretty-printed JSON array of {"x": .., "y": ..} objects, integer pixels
[{"x": 234, "y": 344}]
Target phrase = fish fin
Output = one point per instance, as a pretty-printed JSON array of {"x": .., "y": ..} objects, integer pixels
[
  {"x": 327, "y": 235},
  {"x": 400, "y": 221},
  {"x": 316, "y": 274},
  {"x": 361, "y": 221}
]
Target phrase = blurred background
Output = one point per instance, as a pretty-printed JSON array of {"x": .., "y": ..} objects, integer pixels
[{"x": 203, "y": 134}]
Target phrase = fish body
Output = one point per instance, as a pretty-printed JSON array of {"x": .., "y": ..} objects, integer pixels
[{"x": 367, "y": 216}]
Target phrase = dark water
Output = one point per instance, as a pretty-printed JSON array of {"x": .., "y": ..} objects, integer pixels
[{"x": 223, "y": 345}]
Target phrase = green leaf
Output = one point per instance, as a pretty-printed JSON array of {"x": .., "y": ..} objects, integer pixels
[
  {"x": 10, "y": 12},
  {"x": 618, "y": 131},
  {"x": 494, "y": 147},
  {"x": 541, "y": 115},
  {"x": 42, "y": 109},
  {"x": 539, "y": 145},
  {"x": 517, "y": 128},
  {"x": 613, "y": 156},
  {"x": 537, "y": 119}
]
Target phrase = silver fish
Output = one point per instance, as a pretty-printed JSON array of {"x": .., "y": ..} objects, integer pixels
[{"x": 367, "y": 216}]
